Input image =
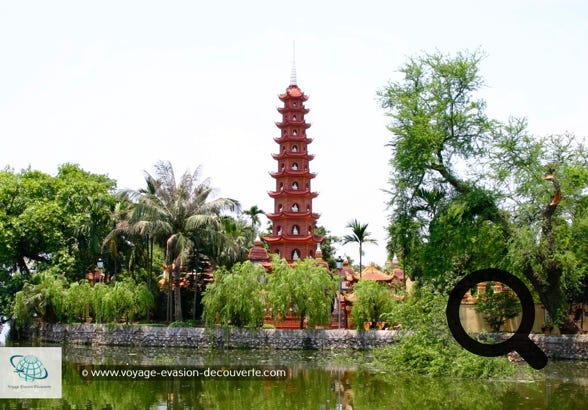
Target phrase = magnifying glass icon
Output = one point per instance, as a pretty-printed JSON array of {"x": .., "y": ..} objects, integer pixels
[{"x": 519, "y": 342}]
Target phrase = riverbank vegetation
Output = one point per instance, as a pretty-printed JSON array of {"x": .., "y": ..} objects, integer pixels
[{"x": 427, "y": 347}]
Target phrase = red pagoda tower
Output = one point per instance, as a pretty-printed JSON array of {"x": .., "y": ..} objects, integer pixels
[{"x": 293, "y": 221}]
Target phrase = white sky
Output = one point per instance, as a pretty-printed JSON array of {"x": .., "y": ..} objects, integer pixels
[{"x": 117, "y": 85}]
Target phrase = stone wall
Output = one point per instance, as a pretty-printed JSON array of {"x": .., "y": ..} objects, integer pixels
[
  {"x": 124, "y": 335},
  {"x": 561, "y": 347}
]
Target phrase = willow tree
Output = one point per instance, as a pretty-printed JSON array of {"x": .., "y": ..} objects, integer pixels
[
  {"x": 304, "y": 288},
  {"x": 470, "y": 192},
  {"x": 236, "y": 297}
]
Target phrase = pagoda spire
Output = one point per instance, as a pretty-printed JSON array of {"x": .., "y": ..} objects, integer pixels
[{"x": 293, "y": 71}]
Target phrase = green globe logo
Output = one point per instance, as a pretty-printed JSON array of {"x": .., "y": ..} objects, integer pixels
[{"x": 28, "y": 367}]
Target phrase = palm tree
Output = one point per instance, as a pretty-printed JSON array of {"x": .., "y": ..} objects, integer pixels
[
  {"x": 359, "y": 235},
  {"x": 180, "y": 216},
  {"x": 253, "y": 213},
  {"x": 236, "y": 238}
]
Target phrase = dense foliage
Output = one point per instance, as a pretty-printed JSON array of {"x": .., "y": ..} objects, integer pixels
[
  {"x": 48, "y": 221},
  {"x": 236, "y": 298},
  {"x": 242, "y": 295},
  {"x": 49, "y": 297},
  {"x": 181, "y": 217},
  {"x": 470, "y": 192},
  {"x": 373, "y": 301},
  {"x": 427, "y": 346},
  {"x": 304, "y": 289}
]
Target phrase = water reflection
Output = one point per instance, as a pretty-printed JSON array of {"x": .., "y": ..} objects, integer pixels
[{"x": 316, "y": 380}]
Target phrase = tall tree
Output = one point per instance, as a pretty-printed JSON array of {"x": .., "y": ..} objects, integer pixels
[
  {"x": 547, "y": 197},
  {"x": 470, "y": 192},
  {"x": 253, "y": 213},
  {"x": 48, "y": 221},
  {"x": 360, "y": 235},
  {"x": 181, "y": 215}
]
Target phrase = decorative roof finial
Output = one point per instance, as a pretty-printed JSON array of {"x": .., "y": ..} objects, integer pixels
[{"x": 293, "y": 72}]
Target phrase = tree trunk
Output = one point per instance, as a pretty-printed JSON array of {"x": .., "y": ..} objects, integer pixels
[
  {"x": 360, "y": 253},
  {"x": 554, "y": 301},
  {"x": 194, "y": 301},
  {"x": 169, "y": 257},
  {"x": 22, "y": 266},
  {"x": 168, "y": 299},
  {"x": 548, "y": 285},
  {"x": 177, "y": 295}
]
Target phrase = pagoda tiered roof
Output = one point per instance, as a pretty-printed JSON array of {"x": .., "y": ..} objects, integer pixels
[
  {"x": 290, "y": 192},
  {"x": 286, "y": 123},
  {"x": 299, "y": 155},
  {"x": 293, "y": 92},
  {"x": 293, "y": 238},
  {"x": 300, "y": 108},
  {"x": 292, "y": 215},
  {"x": 293, "y": 139},
  {"x": 290, "y": 172}
]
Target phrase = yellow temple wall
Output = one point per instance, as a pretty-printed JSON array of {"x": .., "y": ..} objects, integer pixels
[{"x": 473, "y": 321}]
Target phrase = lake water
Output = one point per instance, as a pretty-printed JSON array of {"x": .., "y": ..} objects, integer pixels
[{"x": 315, "y": 380}]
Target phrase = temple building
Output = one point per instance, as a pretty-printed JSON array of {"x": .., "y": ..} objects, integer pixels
[{"x": 293, "y": 219}]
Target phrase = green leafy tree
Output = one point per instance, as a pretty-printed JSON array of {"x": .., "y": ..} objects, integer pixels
[
  {"x": 547, "y": 198},
  {"x": 303, "y": 288},
  {"x": 9, "y": 285},
  {"x": 469, "y": 192},
  {"x": 236, "y": 297},
  {"x": 125, "y": 301},
  {"x": 48, "y": 297},
  {"x": 51, "y": 221},
  {"x": 129, "y": 247},
  {"x": 374, "y": 300},
  {"x": 327, "y": 245},
  {"x": 497, "y": 308},
  {"x": 360, "y": 235}
]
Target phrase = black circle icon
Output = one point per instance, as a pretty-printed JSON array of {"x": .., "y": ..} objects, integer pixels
[{"x": 519, "y": 342}]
